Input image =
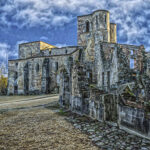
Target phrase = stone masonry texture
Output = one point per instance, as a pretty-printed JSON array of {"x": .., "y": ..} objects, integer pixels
[{"x": 99, "y": 78}]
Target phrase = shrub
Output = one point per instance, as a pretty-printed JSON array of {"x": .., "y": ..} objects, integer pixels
[{"x": 3, "y": 85}]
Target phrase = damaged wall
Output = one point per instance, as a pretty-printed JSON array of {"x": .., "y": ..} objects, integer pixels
[
  {"x": 99, "y": 71},
  {"x": 90, "y": 77},
  {"x": 134, "y": 119},
  {"x": 40, "y": 74}
]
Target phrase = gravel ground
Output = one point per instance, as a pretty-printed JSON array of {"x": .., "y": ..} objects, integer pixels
[{"x": 40, "y": 129}]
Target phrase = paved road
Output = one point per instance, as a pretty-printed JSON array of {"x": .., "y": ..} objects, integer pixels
[{"x": 28, "y": 102}]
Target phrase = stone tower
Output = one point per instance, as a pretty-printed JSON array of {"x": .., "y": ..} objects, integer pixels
[{"x": 96, "y": 26}]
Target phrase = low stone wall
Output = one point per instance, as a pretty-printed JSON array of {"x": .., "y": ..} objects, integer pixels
[
  {"x": 106, "y": 109},
  {"x": 96, "y": 109},
  {"x": 92, "y": 108},
  {"x": 76, "y": 105},
  {"x": 134, "y": 119}
]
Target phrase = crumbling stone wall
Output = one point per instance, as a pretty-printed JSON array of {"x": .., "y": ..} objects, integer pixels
[
  {"x": 96, "y": 78},
  {"x": 134, "y": 52},
  {"x": 134, "y": 119},
  {"x": 106, "y": 65},
  {"x": 29, "y": 49},
  {"x": 100, "y": 69},
  {"x": 33, "y": 49},
  {"x": 97, "y": 25},
  {"x": 41, "y": 73}
]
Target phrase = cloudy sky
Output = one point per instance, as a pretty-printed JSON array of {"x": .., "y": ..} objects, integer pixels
[{"x": 55, "y": 21}]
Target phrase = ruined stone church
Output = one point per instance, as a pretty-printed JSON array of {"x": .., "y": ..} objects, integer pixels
[{"x": 99, "y": 78}]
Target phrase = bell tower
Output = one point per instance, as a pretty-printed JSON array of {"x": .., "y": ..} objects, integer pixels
[{"x": 96, "y": 25}]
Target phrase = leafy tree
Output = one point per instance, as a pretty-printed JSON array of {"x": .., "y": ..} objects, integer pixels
[{"x": 3, "y": 83}]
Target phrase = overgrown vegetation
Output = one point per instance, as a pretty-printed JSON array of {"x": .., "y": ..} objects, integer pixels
[
  {"x": 147, "y": 106},
  {"x": 62, "y": 112},
  {"x": 3, "y": 85},
  {"x": 3, "y": 80}
]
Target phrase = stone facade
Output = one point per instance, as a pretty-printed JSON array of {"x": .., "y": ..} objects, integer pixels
[
  {"x": 99, "y": 78},
  {"x": 38, "y": 68}
]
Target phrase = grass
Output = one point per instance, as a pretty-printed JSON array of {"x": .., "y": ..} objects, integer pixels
[
  {"x": 53, "y": 106},
  {"x": 62, "y": 112}
]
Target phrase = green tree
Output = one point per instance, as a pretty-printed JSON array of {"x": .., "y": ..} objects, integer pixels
[
  {"x": 3, "y": 85},
  {"x": 3, "y": 80}
]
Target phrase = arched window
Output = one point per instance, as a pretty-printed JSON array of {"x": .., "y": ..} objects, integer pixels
[
  {"x": 16, "y": 75},
  {"x": 56, "y": 66},
  {"x": 87, "y": 26},
  {"x": 96, "y": 22},
  {"x": 16, "y": 64},
  {"x": 101, "y": 46},
  {"x": 131, "y": 52},
  {"x": 37, "y": 67},
  {"x": 131, "y": 63},
  {"x": 105, "y": 18}
]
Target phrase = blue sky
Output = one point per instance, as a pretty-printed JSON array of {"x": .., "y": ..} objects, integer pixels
[{"x": 55, "y": 22}]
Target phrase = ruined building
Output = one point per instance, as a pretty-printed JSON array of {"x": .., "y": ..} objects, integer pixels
[{"x": 99, "y": 78}]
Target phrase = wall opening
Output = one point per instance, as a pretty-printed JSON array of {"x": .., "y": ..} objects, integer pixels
[
  {"x": 26, "y": 79},
  {"x": 108, "y": 79},
  {"x": 131, "y": 52},
  {"x": 131, "y": 63},
  {"x": 105, "y": 18},
  {"x": 66, "y": 51},
  {"x": 96, "y": 22},
  {"x": 16, "y": 89},
  {"x": 87, "y": 26},
  {"x": 89, "y": 75},
  {"x": 16, "y": 75},
  {"x": 101, "y": 46},
  {"x": 15, "y": 85},
  {"x": 37, "y": 68},
  {"x": 56, "y": 65},
  {"x": 103, "y": 79}
]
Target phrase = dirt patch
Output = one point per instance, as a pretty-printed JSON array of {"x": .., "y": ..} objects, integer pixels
[{"x": 40, "y": 128}]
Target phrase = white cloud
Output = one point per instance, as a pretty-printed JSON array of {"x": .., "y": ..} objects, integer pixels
[
  {"x": 7, "y": 52},
  {"x": 44, "y": 38},
  {"x": 4, "y": 50},
  {"x": 130, "y": 15},
  {"x": 61, "y": 45},
  {"x": 45, "y": 12},
  {"x": 60, "y": 20}
]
